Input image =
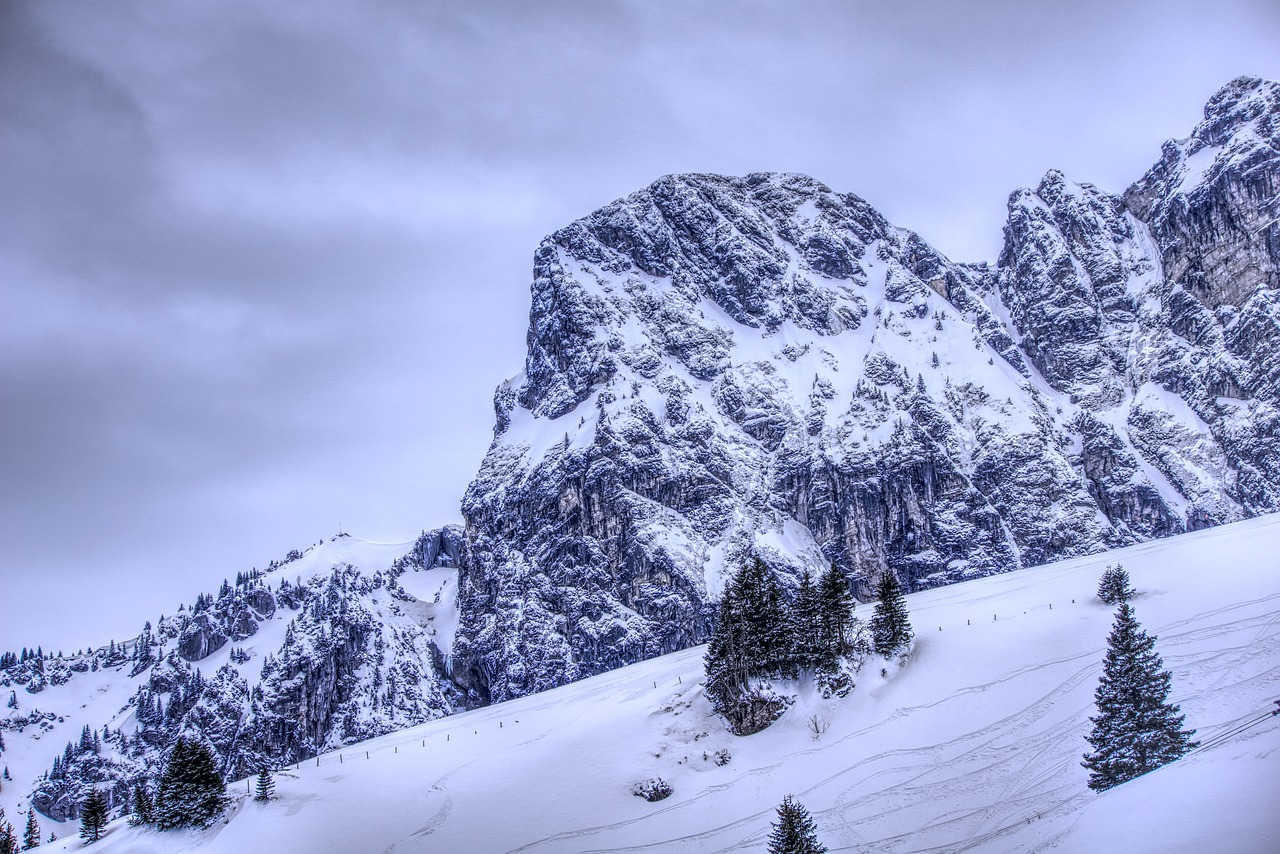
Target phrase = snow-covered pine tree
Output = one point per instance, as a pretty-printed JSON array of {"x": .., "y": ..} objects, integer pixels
[
  {"x": 835, "y": 606},
  {"x": 890, "y": 625},
  {"x": 191, "y": 792},
  {"x": 726, "y": 664},
  {"x": 8, "y": 838},
  {"x": 805, "y": 617},
  {"x": 266, "y": 790},
  {"x": 93, "y": 816},
  {"x": 751, "y": 638},
  {"x": 760, "y": 608},
  {"x": 1113, "y": 587},
  {"x": 31, "y": 836},
  {"x": 1136, "y": 729},
  {"x": 143, "y": 811},
  {"x": 794, "y": 832}
]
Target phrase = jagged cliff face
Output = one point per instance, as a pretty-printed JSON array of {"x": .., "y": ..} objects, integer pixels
[
  {"x": 721, "y": 367},
  {"x": 331, "y": 646}
]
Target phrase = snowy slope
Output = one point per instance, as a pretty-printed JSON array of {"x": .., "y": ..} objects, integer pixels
[{"x": 973, "y": 745}]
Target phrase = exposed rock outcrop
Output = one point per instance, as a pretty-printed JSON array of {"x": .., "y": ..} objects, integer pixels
[{"x": 721, "y": 367}]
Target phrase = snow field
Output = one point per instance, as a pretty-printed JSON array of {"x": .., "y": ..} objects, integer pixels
[{"x": 972, "y": 745}]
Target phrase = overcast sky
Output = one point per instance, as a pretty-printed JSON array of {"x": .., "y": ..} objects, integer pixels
[{"x": 262, "y": 264}]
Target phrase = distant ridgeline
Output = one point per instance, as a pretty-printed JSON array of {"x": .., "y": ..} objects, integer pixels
[
  {"x": 721, "y": 369},
  {"x": 269, "y": 671}
]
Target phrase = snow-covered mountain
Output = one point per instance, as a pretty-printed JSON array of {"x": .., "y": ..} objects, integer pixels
[
  {"x": 720, "y": 367},
  {"x": 724, "y": 367},
  {"x": 974, "y": 745},
  {"x": 334, "y": 644}
]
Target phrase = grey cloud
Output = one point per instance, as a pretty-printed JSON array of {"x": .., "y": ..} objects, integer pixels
[{"x": 263, "y": 264}]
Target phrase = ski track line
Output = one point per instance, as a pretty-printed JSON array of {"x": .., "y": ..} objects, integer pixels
[
  {"x": 438, "y": 817},
  {"x": 1054, "y": 736}
]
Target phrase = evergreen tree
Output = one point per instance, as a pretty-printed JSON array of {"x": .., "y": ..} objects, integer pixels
[
  {"x": 31, "y": 837},
  {"x": 751, "y": 636},
  {"x": 93, "y": 816},
  {"x": 1113, "y": 587},
  {"x": 1136, "y": 730},
  {"x": 794, "y": 832},
  {"x": 835, "y": 605},
  {"x": 805, "y": 617},
  {"x": 890, "y": 625},
  {"x": 143, "y": 812},
  {"x": 191, "y": 792},
  {"x": 8, "y": 839},
  {"x": 759, "y": 599},
  {"x": 726, "y": 665},
  {"x": 266, "y": 786}
]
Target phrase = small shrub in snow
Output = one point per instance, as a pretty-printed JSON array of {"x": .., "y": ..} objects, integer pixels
[{"x": 653, "y": 789}]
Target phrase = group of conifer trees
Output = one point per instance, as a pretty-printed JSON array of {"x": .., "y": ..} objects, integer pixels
[
  {"x": 759, "y": 633},
  {"x": 1135, "y": 731},
  {"x": 190, "y": 793},
  {"x": 9, "y": 841}
]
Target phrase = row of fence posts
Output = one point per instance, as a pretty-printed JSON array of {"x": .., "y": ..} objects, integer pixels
[
  {"x": 996, "y": 617},
  {"x": 679, "y": 680}
]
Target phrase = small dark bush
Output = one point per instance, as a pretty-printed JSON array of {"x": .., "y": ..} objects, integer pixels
[{"x": 653, "y": 789}]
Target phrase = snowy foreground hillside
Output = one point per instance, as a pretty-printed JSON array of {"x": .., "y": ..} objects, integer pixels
[{"x": 974, "y": 745}]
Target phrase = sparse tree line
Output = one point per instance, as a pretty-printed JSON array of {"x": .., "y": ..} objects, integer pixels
[
  {"x": 760, "y": 634},
  {"x": 1135, "y": 731},
  {"x": 189, "y": 793}
]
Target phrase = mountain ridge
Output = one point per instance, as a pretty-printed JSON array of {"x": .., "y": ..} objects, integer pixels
[
  {"x": 726, "y": 367},
  {"x": 683, "y": 407}
]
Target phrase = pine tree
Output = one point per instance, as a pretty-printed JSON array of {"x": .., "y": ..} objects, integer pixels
[
  {"x": 8, "y": 839},
  {"x": 805, "y": 617},
  {"x": 835, "y": 607},
  {"x": 143, "y": 812},
  {"x": 93, "y": 816},
  {"x": 1136, "y": 730},
  {"x": 890, "y": 625},
  {"x": 191, "y": 792},
  {"x": 794, "y": 832},
  {"x": 726, "y": 665},
  {"x": 1113, "y": 587},
  {"x": 751, "y": 637},
  {"x": 266, "y": 786},
  {"x": 31, "y": 837},
  {"x": 759, "y": 607}
]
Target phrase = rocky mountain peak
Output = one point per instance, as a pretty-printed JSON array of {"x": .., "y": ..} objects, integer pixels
[
  {"x": 723, "y": 367},
  {"x": 1241, "y": 102},
  {"x": 1211, "y": 200}
]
